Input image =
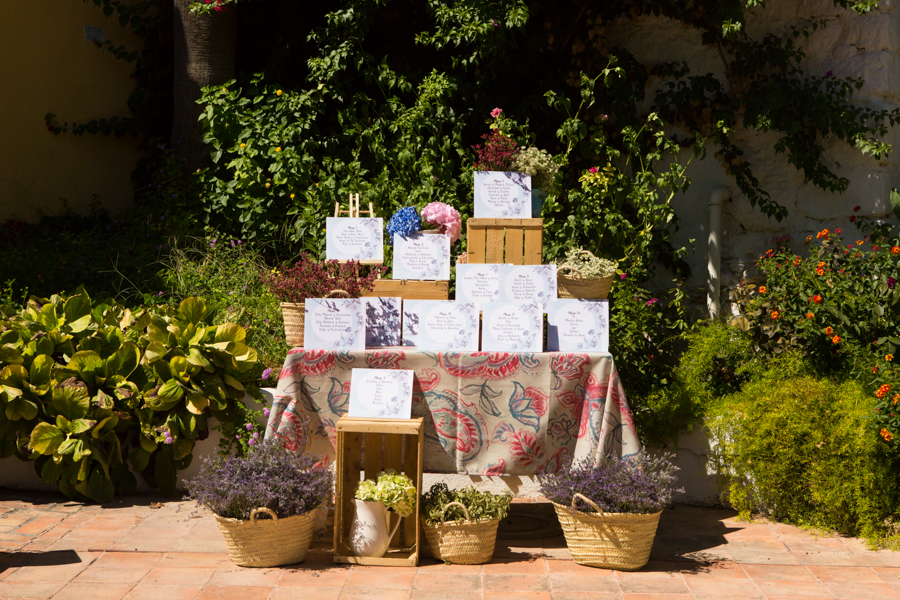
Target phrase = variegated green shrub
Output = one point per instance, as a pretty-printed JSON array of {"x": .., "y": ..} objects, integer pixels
[{"x": 86, "y": 390}]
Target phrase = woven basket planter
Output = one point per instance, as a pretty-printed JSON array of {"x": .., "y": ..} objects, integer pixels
[
  {"x": 620, "y": 541},
  {"x": 583, "y": 288},
  {"x": 294, "y": 314},
  {"x": 462, "y": 542},
  {"x": 269, "y": 542}
]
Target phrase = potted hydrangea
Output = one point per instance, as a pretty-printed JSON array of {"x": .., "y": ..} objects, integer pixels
[
  {"x": 369, "y": 531},
  {"x": 609, "y": 511},
  {"x": 272, "y": 480},
  {"x": 441, "y": 216}
]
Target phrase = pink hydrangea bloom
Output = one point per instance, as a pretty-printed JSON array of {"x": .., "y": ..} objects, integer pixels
[
  {"x": 445, "y": 218},
  {"x": 496, "y": 112}
]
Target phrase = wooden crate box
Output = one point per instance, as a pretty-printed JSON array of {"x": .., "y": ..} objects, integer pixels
[
  {"x": 389, "y": 444},
  {"x": 510, "y": 241},
  {"x": 410, "y": 290}
]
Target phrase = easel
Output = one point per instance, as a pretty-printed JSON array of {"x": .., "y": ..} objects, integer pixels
[{"x": 353, "y": 212}]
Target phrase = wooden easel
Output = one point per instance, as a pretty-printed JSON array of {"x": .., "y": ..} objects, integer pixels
[{"x": 353, "y": 212}]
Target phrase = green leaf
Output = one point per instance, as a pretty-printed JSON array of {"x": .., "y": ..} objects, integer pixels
[
  {"x": 229, "y": 332},
  {"x": 64, "y": 424},
  {"x": 107, "y": 424},
  {"x": 182, "y": 448},
  {"x": 195, "y": 357},
  {"x": 51, "y": 471},
  {"x": 40, "y": 371},
  {"x": 81, "y": 450},
  {"x": 895, "y": 202},
  {"x": 46, "y": 438},
  {"x": 48, "y": 316},
  {"x": 139, "y": 458},
  {"x": 125, "y": 360},
  {"x": 21, "y": 408},
  {"x": 70, "y": 399},
  {"x": 196, "y": 403},
  {"x": 82, "y": 425},
  {"x": 100, "y": 488},
  {"x": 155, "y": 351},
  {"x": 232, "y": 382},
  {"x": 11, "y": 356},
  {"x": 77, "y": 307},
  {"x": 87, "y": 363},
  {"x": 67, "y": 446},
  {"x": 192, "y": 310},
  {"x": 147, "y": 444}
]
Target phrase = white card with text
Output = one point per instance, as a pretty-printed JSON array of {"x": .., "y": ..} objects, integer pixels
[
  {"x": 502, "y": 195},
  {"x": 422, "y": 256},
  {"x": 578, "y": 326},
  {"x": 354, "y": 239},
  {"x": 477, "y": 283},
  {"x": 512, "y": 327},
  {"x": 447, "y": 326},
  {"x": 380, "y": 394},
  {"x": 528, "y": 284},
  {"x": 334, "y": 324}
]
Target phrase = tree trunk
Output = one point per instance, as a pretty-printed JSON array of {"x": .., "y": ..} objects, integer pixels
[{"x": 204, "y": 55}]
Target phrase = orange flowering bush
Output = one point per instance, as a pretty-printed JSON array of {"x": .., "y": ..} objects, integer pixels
[{"x": 838, "y": 303}]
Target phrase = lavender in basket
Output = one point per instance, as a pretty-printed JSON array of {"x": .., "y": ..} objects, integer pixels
[
  {"x": 638, "y": 484},
  {"x": 272, "y": 476}
]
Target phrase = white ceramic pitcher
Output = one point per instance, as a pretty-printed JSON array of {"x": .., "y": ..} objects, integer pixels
[{"x": 369, "y": 534}]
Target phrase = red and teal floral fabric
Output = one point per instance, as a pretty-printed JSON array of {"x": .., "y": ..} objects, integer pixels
[{"x": 486, "y": 413}]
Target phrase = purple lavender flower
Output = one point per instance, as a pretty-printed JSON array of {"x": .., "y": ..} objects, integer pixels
[{"x": 266, "y": 374}]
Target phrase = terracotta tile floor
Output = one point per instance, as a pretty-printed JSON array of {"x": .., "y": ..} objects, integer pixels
[{"x": 52, "y": 548}]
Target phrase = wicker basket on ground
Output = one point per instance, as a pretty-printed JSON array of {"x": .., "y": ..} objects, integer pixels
[
  {"x": 268, "y": 542},
  {"x": 620, "y": 541},
  {"x": 294, "y": 314},
  {"x": 462, "y": 542}
]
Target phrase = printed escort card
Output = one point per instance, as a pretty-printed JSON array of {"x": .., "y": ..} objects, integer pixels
[
  {"x": 512, "y": 327},
  {"x": 382, "y": 322},
  {"x": 354, "y": 239},
  {"x": 334, "y": 324},
  {"x": 502, "y": 195},
  {"x": 477, "y": 283},
  {"x": 411, "y": 322},
  {"x": 446, "y": 325},
  {"x": 380, "y": 393},
  {"x": 578, "y": 325},
  {"x": 422, "y": 256},
  {"x": 528, "y": 284}
]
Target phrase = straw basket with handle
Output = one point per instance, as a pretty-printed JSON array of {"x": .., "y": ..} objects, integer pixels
[
  {"x": 588, "y": 288},
  {"x": 294, "y": 314},
  {"x": 268, "y": 542},
  {"x": 462, "y": 542},
  {"x": 619, "y": 541}
]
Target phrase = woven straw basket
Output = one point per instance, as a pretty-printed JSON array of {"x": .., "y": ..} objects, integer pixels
[
  {"x": 462, "y": 543},
  {"x": 268, "y": 543},
  {"x": 294, "y": 314},
  {"x": 619, "y": 541},
  {"x": 588, "y": 288}
]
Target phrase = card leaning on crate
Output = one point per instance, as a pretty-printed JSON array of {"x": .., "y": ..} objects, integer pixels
[
  {"x": 334, "y": 324},
  {"x": 510, "y": 327},
  {"x": 380, "y": 394},
  {"x": 354, "y": 239},
  {"x": 578, "y": 326},
  {"x": 477, "y": 283},
  {"x": 528, "y": 284},
  {"x": 502, "y": 195},
  {"x": 421, "y": 256},
  {"x": 383, "y": 320},
  {"x": 446, "y": 326}
]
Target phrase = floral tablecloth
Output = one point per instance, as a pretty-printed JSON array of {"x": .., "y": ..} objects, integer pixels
[{"x": 486, "y": 413}]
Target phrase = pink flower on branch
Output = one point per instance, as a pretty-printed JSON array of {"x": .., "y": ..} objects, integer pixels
[{"x": 496, "y": 112}]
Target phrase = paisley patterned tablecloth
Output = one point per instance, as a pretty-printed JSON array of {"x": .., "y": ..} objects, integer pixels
[{"x": 486, "y": 413}]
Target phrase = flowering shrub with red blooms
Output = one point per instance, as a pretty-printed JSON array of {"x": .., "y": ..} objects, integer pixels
[
  {"x": 840, "y": 306},
  {"x": 497, "y": 154},
  {"x": 311, "y": 279}
]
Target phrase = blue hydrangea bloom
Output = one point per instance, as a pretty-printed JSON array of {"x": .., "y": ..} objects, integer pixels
[{"x": 404, "y": 222}]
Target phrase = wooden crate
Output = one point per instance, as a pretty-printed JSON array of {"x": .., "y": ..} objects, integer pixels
[
  {"x": 512, "y": 241},
  {"x": 410, "y": 290},
  {"x": 389, "y": 444}
]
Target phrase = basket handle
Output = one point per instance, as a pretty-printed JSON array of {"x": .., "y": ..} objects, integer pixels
[
  {"x": 588, "y": 501},
  {"x": 332, "y": 293},
  {"x": 461, "y": 505},
  {"x": 558, "y": 269},
  {"x": 262, "y": 509}
]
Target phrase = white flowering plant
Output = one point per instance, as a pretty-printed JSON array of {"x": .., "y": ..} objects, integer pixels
[
  {"x": 589, "y": 265},
  {"x": 394, "y": 490},
  {"x": 540, "y": 166}
]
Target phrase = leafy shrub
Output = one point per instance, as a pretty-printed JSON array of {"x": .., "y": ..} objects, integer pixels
[
  {"x": 272, "y": 476},
  {"x": 86, "y": 385},
  {"x": 638, "y": 484},
  {"x": 309, "y": 278},
  {"x": 801, "y": 449},
  {"x": 481, "y": 505}
]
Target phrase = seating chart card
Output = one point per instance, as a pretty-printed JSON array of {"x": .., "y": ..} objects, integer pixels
[
  {"x": 422, "y": 256},
  {"x": 446, "y": 325},
  {"x": 382, "y": 322},
  {"x": 528, "y": 284},
  {"x": 380, "y": 393},
  {"x": 411, "y": 322},
  {"x": 512, "y": 327},
  {"x": 502, "y": 195},
  {"x": 578, "y": 326},
  {"x": 354, "y": 239},
  {"x": 477, "y": 283},
  {"x": 334, "y": 324}
]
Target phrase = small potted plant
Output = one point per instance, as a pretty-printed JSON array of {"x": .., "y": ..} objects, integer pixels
[
  {"x": 308, "y": 278},
  {"x": 461, "y": 525},
  {"x": 441, "y": 216},
  {"x": 609, "y": 511},
  {"x": 270, "y": 479},
  {"x": 370, "y": 533},
  {"x": 590, "y": 277},
  {"x": 540, "y": 166}
]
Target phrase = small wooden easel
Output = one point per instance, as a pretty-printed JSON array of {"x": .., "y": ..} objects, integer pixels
[{"x": 353, "y": 212}]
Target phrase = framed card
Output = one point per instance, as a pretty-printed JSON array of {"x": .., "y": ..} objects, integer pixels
[
  {"x": 422, "y": 256},
  {"x": 502, "y": 195},
  {"x": 578, "y": 326},
  {"x": 354, "y": 239},
  {"x": 528, "y": 284},
  {"x": 383, "y": 318},
  {"x": 477, "y": 283},
  {"x": 411, "y": 322},
  {"x": 380, "y": 394},
  {"x": 334, "y": 324},
  {"x": 446, "y": 325},
  {"x": 512, "y": 327}
]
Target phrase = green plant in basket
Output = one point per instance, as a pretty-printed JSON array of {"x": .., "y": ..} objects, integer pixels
[
  {"x": 588, "y": 265},
  {"x": 480, "y": 505},
  {"x": 396, "y": 491}
]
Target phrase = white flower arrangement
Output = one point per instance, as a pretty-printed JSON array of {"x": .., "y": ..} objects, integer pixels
[
  {"x": 395, "y": 491},
  {"x": 589, "y": 265},
  {"x": 540, "y": 166}
]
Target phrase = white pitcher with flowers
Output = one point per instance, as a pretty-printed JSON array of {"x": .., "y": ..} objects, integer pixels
[{"x": 370, "y": 531}]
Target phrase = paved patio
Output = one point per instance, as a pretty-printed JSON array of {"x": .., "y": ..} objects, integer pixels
[{"x": 151, "y": 548}]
